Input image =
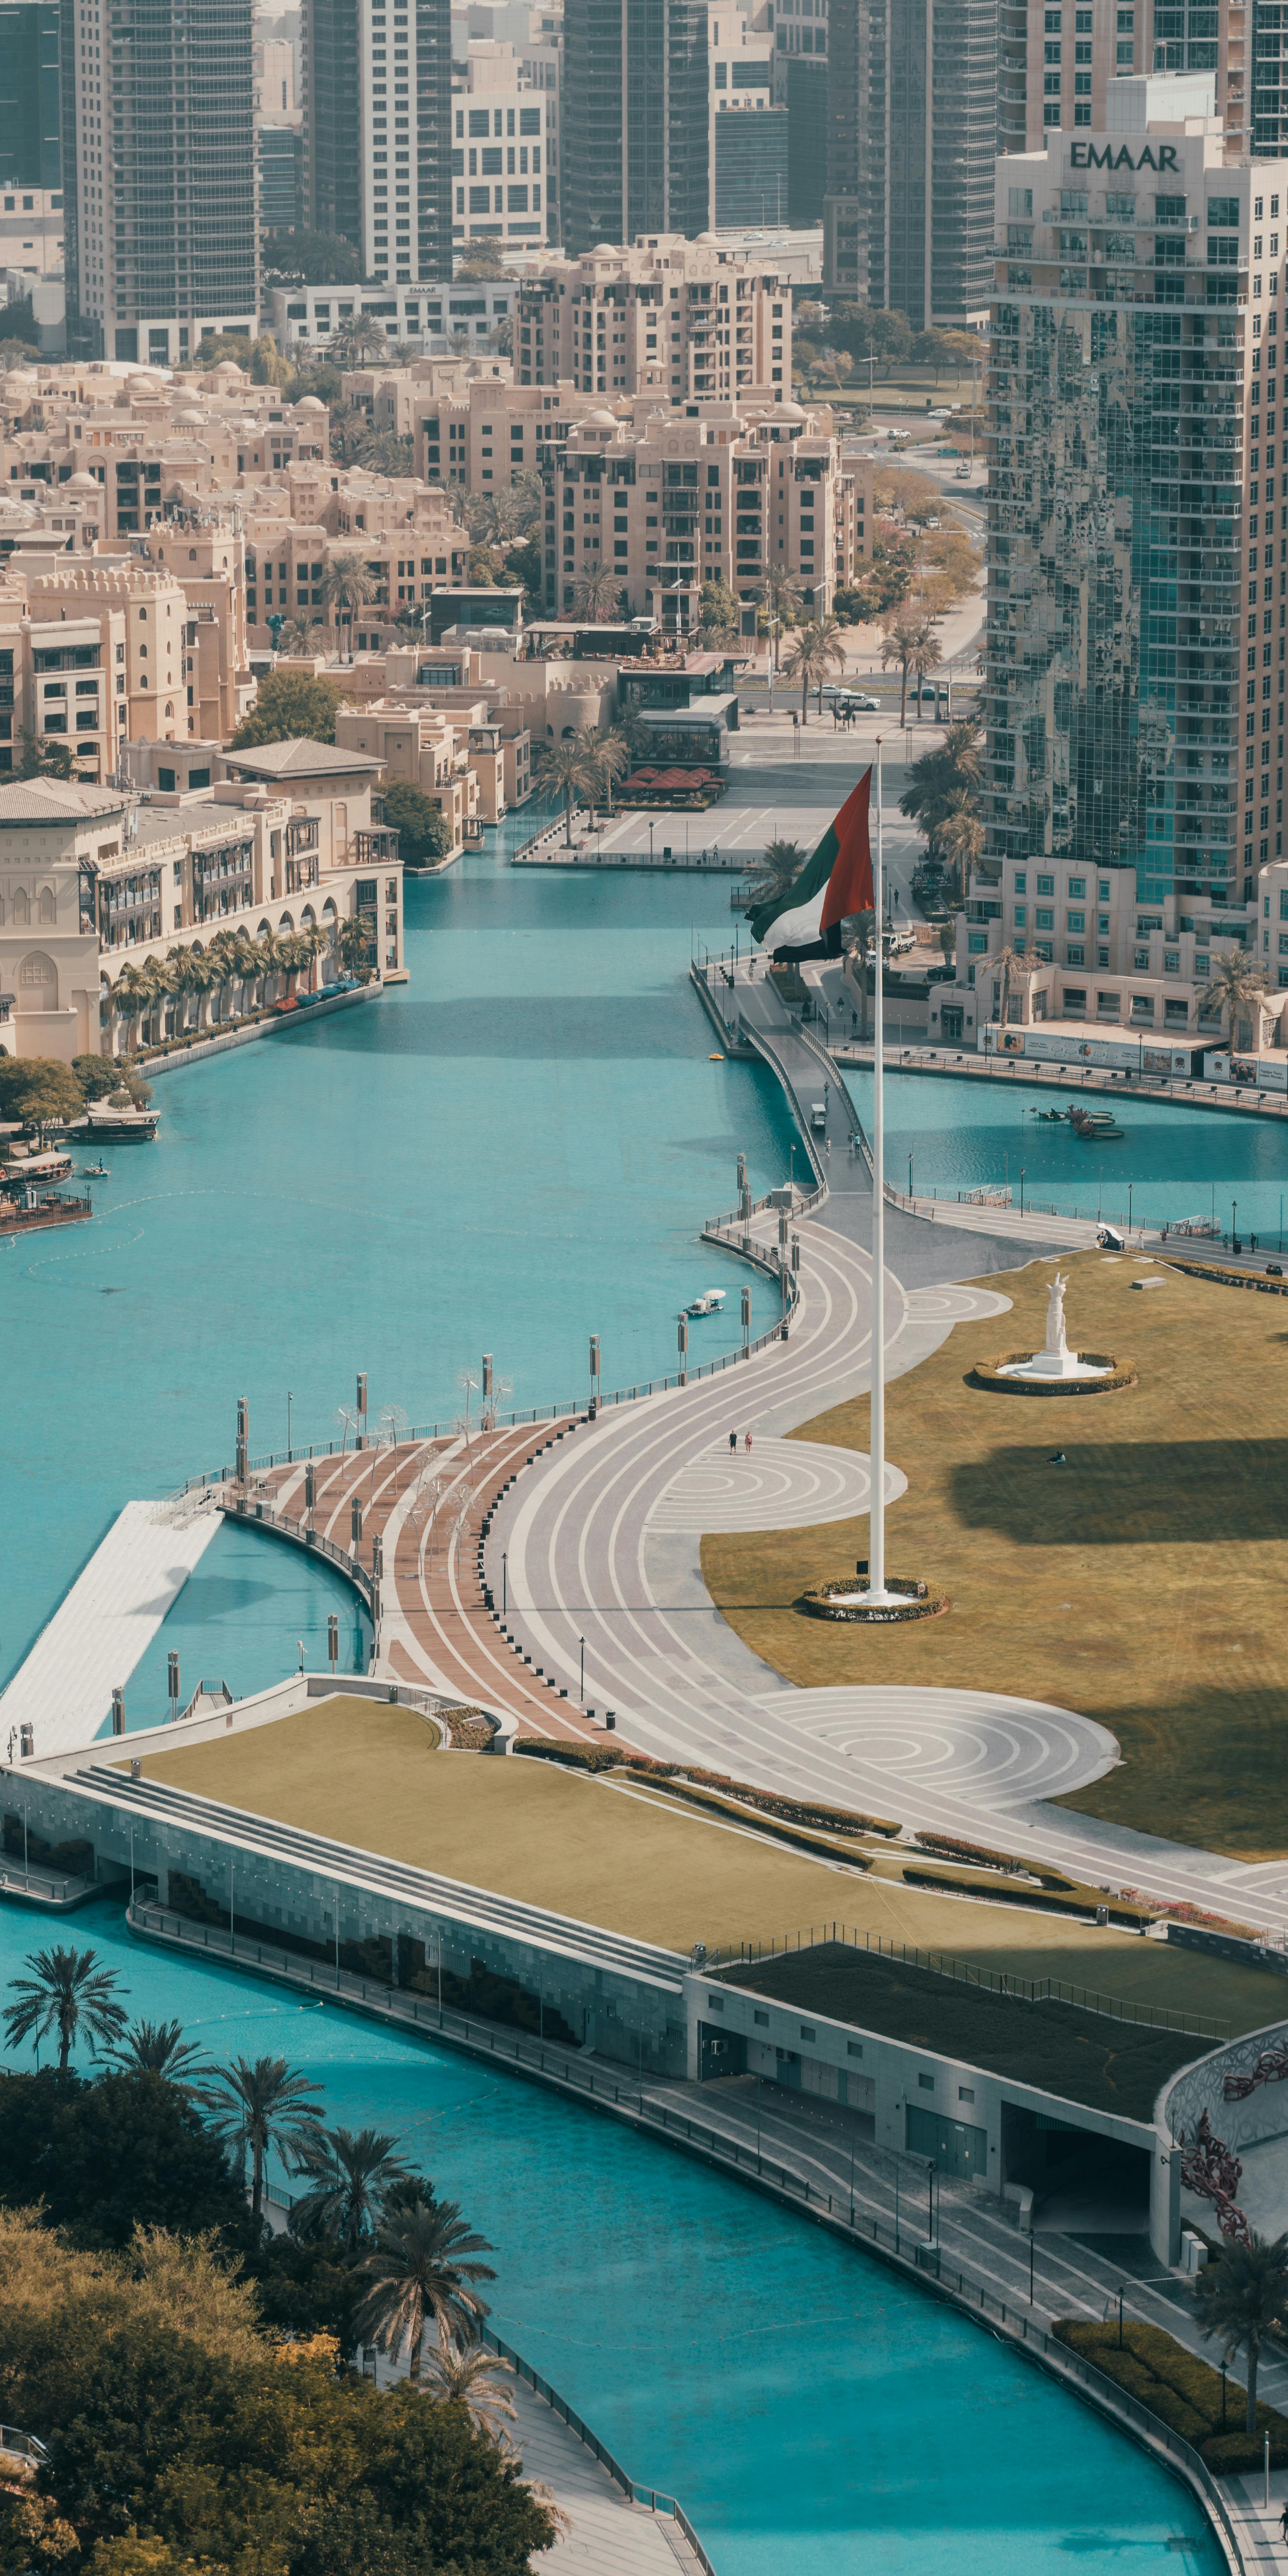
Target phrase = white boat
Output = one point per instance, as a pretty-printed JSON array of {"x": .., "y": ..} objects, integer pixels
[
  {"x": 102, "y": 1123},
  {"x": 709, "y": 1303}
]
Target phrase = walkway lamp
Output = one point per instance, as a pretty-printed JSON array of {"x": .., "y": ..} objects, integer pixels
[
  {"x": 172, "y": 1676},
  {"x": 1021, "y": 1189},
  {"x": 1122, "y": 2293},
  {"x": 355, "y": 1523},
  {"x": 362, "y": 1408},
  {"x": 333, "y": 1641},
  {"x": 582, "y": 1685},
  {"x": 682, "y": 1343},
  {"x": 289, "y": 1402},
  {"x": 243, "y": 1435},
  {"x": 118, "y": 1712},
  {"x": 504, "y": 1564},
  {"x": 746, "y": 1317},
  {"x": 310, "y": 1491}
]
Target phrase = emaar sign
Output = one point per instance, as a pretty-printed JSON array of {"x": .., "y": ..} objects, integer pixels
[{"x": 1087, "y": 156}]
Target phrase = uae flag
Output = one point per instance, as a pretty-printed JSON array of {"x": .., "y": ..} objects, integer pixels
[{"x": 837, "y": 881}]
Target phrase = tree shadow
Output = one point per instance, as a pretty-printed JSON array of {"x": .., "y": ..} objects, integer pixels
[{"x": 1109, "y": 1493}]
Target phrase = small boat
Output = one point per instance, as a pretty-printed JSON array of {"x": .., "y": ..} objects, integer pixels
[
  {"x": 1049, "y": 1117},
  {"x": 120, "y": 1126},
  {"x": 709, "y": 1303},
  {"x": 94, "y": 1172}
]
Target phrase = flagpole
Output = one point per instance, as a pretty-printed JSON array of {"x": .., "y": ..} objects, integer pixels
[{"x": 876, "y": 1519}]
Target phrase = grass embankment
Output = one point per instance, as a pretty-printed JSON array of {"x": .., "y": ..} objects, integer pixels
[
  {"x": 1109, "y": 2065},
  {"x": 1184, "y": 2392},
  {"x": 1141, "y": 1583},
  {"x": 368, "y": 1774}
]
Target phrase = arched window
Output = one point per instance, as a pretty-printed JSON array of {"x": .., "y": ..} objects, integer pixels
[{"x": 48, "y": 905}]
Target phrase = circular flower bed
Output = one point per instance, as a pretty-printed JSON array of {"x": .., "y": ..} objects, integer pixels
[
  {"x": 843, "y": 1600},
  {"x": 988, "y": 1375}
]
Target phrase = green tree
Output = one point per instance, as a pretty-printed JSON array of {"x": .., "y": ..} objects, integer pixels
[
  {"x": 22, "y": 330},
  {"x": 67, "y": 1993},
  {"x": 899, "y": 644},
  {"x": 424, "y": 2265},
  {"x": 867, "y": 332},
  {"x": 778, "y": 867},
  {"x": 96, "y": 1074},
  {"x": 811, "y": 654},
  {"x": 41, "y": 756},
  {"x": 1236, "y": 990},
  {"x": 1241, "y": 2298},
  {"x": 719, "y": 612},
  {"x": 40, "y": 1090},
  {"x": 291, "y": 706},
  {"x": 106, "y": 2156},
  {"x": 481, "y": 259},
  {"x": 961, "y": 835},
  {"x": 597, "y": 597},
  {"x": 312, "y": 259},
  {"x": 563, "y": 771},
  {"x": 469, "y": 2375},
  {"x": 300, "y": 635},
  {"x": 353, "y": 940},
  {"x": 781, "y": 597},
  {"x": 265, "y": 2106},
  {"x": 159, "y": 2048},
  {"x": 348, "y": 2175},
  {"x": 422, "y": 828},
  {"x": 347, "y": 586}
]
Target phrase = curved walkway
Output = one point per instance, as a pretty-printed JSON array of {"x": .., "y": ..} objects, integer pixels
[{"x": 778, "y": 1484}]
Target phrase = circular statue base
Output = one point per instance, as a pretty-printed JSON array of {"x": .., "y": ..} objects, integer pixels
[
  {"x": 850, "y": 1600},
  {"x": 1022, "y": 1373}
]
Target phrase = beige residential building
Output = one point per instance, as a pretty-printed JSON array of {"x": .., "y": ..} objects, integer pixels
[
  {"x": 52, "y": 837},
  {"x": 434, "y": 751},
  {"x": 505, "y": 150},
  {"x": 718, "y": 497},
  {"x": 675, "y": 317}
]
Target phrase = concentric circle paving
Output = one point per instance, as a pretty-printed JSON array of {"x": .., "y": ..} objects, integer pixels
[
  {"x": 778, "y": 1484},
  {"x": 923, "y": 1747}
]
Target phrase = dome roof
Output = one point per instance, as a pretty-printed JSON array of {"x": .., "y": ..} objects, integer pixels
[
  {"x": 599, "y": 420},
  {"x": 788, "y": 411},
  {"x": 81, "y": 482},
  {"x": 308, "y": 402}
]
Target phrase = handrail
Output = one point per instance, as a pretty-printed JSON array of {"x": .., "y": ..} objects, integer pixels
[
  {"x": 993, "y": 1981},
  {"x": 653, "y": 2497},
  {"x": 558, "y": 2067}
]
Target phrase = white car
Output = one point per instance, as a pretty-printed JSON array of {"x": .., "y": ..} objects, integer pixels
[{"x": 865, "y": 705}]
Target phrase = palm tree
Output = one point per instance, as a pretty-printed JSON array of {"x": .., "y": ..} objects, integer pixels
[
  {"x": 781, "y": 596},
  {"x": 353, "y": 942},
  {"x": 129, "y": 997},
  {"x": 348, "y": 2176},
  {"x": 898, "y": 644},
  {"x": 471, "y": 2376},
  {"x": 779, "y": 864},
  {"x": 926, "y": 655},
  {"x": 298, "y": 635},
  {"x": 598, "y": 596},
  {"x": 422, "y": 2266},
  {"x": 815, "y": 651},
  {"x": 358, "y": 339},
  {"x": 607, "y": 757},
  {"x": 316, "y": 941},
  {"x": 67, "y": 1992},
  {"x": 159, "y": 2048},
  {"x": 955, "y": 762},
  {"x": 961, "y": 834},
  {"x": 264, "y": 2108},
  {"x": 1236, "y": 989},
  {"x": 346, "y": 585},
  {"x": 223, "y": 955},
  {"x": 563, "y": 768},
  {"x": 1241, "y": 2297}
]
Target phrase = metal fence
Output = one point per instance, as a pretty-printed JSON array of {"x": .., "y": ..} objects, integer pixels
[
  {"x": 966, "y": 1972},
  {"x": 653, "y": 2497}
]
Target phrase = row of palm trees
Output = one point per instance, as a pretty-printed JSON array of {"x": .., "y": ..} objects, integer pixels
[
  {"x": 233, "y": 959},
  {"x": 418, "y": 2261},
  {"x": 585, "y": 769}
]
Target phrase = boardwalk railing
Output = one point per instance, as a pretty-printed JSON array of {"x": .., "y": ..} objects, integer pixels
[
  {"x": 898, "y": 2243},
  {"x": 966, "y": 1972},
  {"x": 653, "y": 2497}
]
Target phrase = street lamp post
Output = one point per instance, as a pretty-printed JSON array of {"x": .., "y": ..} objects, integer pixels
[
  {"x": 1021, "y": 1189},
  {"x": 289, "y": 1401},
  {"x": 504, "y": 1562},
  {"x": 582, "y": 1643}
]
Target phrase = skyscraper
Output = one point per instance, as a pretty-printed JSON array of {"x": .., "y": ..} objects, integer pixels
[
  {"x": 30, "y": 155},
  {"x": 1134, "y": 512},
  {"x": 377, "y": 131},
  {"x": 1060, "y": 57},
  {"x": 912, "y": 135},
  {"x": 159, "y": 172},
  {"x": 635, "y": 134}
]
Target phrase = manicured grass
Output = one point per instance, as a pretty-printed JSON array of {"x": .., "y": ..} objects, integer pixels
[
  {"x": 1142, "y": 1583},
  {"x": 1109, "y": 2065},
  {"x": 366, "y": 1774}
]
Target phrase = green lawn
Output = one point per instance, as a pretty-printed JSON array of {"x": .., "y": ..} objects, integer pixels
[
  {"x": 367, "y": 1774},
  {"x": 1142, "y": 1583}
]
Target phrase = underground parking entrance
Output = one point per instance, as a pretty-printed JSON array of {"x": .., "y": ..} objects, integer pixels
[{"x": 1083, "y": 2182}]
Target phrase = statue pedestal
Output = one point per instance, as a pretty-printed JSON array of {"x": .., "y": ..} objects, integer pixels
[{"x": 1052, "y": 1367}]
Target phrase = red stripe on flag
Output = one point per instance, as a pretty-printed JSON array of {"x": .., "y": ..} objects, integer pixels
[{"x": 849, "y": 887}]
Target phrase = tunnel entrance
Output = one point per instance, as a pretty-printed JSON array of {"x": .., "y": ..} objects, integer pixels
[{"x": 1082, "y": 2183}]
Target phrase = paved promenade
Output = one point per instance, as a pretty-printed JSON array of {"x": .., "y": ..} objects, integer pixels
[{"x": 105, "y": 1624}]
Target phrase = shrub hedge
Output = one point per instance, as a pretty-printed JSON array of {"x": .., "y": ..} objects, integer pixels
[
  {"x": 1078, "y": 1900},
  {"x": 1182, "y": 2391},
  {"x": 686, "y": 1777}
]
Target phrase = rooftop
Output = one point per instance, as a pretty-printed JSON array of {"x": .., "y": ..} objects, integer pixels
[
  {"x": 299, "y": 759},
  {"x": 54, "y": 800}
]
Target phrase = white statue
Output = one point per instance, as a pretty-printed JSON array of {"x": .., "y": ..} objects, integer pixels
[{"x": 1055, "y": 1333}]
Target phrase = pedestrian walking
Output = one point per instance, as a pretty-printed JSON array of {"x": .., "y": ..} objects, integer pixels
[
  {"x": 733, "y": 1443},
  {"x": 747, "y": 1442}
]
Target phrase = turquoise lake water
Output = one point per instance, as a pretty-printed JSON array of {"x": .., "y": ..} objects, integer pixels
[
  {"x": 814, "y": 2415},
  {"x": 514, "y": 1150},
  {"x": 1179, "y": 1162}
]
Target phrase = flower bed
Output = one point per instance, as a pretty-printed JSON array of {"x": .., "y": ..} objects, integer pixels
[
  {"x": 987, "y": 1374},
  {"x": 1182, "y": 2391},
  {"x": 918, "y": 1602}
]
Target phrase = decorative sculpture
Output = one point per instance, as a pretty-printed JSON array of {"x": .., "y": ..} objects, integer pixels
[{"x": 1056, "y": 1340}]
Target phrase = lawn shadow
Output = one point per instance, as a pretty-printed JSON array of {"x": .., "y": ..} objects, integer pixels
[{"x": 1109, "y": 1493}]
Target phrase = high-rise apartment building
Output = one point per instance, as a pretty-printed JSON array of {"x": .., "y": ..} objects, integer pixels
[
  {"x": 1138, "y": 517},
  {"x": 635, "y": 140},
  {"x": 159, "y": 175},
  {"x": 377, "y": 151},
  {"x": 912, "y": 138},
  {"x": 1059, "y": 61},
  {"x": 684, "y": 318},
  {"x": 504, "y": 139},
  {"x": 30, "y": 152}
]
